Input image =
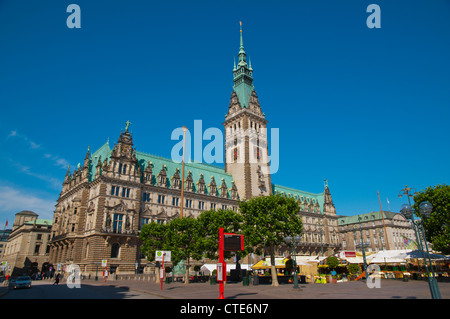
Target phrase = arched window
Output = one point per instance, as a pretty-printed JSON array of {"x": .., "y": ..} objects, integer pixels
[{"x": 115, "y": 248}]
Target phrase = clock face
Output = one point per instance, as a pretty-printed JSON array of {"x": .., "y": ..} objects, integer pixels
[{"x": 126, "y": 149}]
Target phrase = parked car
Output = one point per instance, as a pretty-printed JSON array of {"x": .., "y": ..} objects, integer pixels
[{"x": 20, "y": 282}]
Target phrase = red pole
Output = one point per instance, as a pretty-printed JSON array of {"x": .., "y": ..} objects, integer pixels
[
  {"x": 162, "y": 278},
  {"x": 221, "y": 288}
]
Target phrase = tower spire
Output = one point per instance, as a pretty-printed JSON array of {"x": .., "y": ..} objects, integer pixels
[
  {"x": 241, "y": 54},
  {"x": 243, "y": 80},
  {"x": 68, "y": 171},
  {"x": 242, "y": 41}
]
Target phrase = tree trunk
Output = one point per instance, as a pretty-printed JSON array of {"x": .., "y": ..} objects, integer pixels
[
  {"x": 186, "y": 275},
  {"x": 157, "y": 275},
  {"x": 272, "y": 267}
]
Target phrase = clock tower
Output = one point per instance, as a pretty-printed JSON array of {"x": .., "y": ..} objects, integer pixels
[{"x": 246, "y": 147}]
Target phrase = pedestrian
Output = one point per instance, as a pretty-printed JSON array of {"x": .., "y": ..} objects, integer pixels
[{"x": 56, "y": 280}]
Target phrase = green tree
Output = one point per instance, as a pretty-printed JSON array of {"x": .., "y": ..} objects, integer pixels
[
  {"x": 437, "y": 228},
  {"x": 182, "y": 238},
  {"x": 267, "y": 221},
  {"x": 289, "y": 266},
  {"x": 209, "y": 223},
  {"x": 153, "y": 237},
  {"x": 332, "y": 262},
  {"x": 353, "y": 268}
]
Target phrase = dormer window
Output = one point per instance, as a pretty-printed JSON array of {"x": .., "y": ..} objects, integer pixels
[
  {"x": 176, "y": 179},
  {"x": 189, "y": 183},
  {"x": 162, "y": 177},
  {"x": 201, "y": 185},
  {"x": 223, "y": 189},
  {"x": 148, "y": 173},
  {"x": 213, "y": 187}
]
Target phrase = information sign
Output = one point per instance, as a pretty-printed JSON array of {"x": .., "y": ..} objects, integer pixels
[{"x": 160, "y": 253}]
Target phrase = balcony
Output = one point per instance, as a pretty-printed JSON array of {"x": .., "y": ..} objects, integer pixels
[
  {"x": 318, "y": 244},
  {"x": 62, "y": 236},
  {"x": 124, "y": 232}
]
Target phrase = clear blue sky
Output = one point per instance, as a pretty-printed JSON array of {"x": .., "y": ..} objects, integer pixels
[{"x": 366, "y": 109}]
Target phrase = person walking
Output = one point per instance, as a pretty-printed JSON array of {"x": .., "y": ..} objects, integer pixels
[{"x": 56, "y": 280}]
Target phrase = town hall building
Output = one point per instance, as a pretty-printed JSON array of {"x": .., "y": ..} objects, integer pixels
[{"x": 107, "y": 199}]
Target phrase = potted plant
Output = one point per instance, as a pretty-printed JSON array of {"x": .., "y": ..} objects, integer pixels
[
  {"x": 289, "y": 266},
  {"x": 353, "y": 269},
  {"x": 332, "y": 263}
]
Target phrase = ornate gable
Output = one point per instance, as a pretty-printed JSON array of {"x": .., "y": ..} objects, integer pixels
[{"x": 201, "y": 189}]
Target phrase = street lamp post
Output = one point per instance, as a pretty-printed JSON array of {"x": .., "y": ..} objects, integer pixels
[
  {"x": 182, "y": 170},
  {"x": 362, "y": 245},
  {"x": 292, "y": 242},
  {"x": 408, "y": 213},
  {"x": 425, "y": 209}
]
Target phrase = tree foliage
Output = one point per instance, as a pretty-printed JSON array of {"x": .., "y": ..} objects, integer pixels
[
  {"x": 332, "y": 262},
  {"x": 209, "y": 224},
  {"x": 182, "y": 235},
  {"x": 437, "y": 228},
  {"x": 267, "y": 220},
  {"x": 153, "y": 237},
  {"x": 289, "y": 266},
  {"x": 353, "y": 268},
  {"x": 190, "y": 238}
]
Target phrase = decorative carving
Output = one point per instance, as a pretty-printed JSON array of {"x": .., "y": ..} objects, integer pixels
[
  {"x": 201, "y": 185},
  {"x": 213, "y": 187},
  {"x": 189, "y": 183},
  {"x": 162, "y": 176},
  {"x": 108, "y": 221},
  {"x": 91, "y": 207},
  {"x": 127, "y": 222},
  {"x": 147, "y": 175},
  {"x": 176, "y": 179},
  {"x": 234, "y": 193},
  {"x": 261, "y": 182},
  {"x": 223, "y": 189}
]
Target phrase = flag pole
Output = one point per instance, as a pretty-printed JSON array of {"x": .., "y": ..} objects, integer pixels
[
  {"x": 182, "y": 171},
  {"x": 382, "y": 217}
]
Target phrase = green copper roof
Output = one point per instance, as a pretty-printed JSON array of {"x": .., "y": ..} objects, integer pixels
[
  {"x": 196, "y": 169},
  {"x": 40, "y": 222},
  {"x": 243, "y": 93},
  {"x": 299, "y": 195},
  {"x": 102, "y": 152},
  {"x": 367, "y": 217}
]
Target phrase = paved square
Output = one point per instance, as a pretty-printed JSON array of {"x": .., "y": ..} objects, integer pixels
[{"x": 390, "y": 289}]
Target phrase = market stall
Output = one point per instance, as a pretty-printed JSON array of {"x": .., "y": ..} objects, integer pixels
[
  {"x": 207, "y": 269},
  {"x": 306, "y": 268}
]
